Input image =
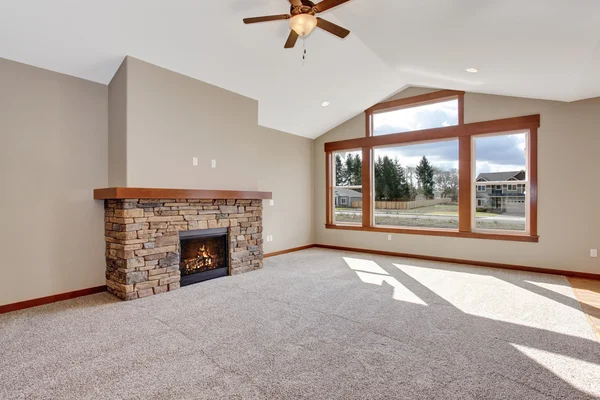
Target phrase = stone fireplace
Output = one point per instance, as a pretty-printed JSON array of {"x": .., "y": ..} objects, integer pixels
[{"x": 155, "y": 245}]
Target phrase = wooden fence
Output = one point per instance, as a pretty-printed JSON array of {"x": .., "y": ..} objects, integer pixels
[{"x": 403, "y": 205}]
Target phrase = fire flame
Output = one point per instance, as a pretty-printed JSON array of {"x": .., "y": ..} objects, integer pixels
[{"x": 203, "y": 260}]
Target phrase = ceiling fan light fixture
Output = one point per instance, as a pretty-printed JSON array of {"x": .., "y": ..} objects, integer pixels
[{"x": 303, "y": 24}]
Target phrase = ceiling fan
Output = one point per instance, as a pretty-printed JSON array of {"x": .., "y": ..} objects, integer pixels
[{"x": 303, "y": 21}]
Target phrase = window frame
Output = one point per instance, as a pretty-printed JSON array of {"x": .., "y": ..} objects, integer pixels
[
  {"x": 397, "y": 105},
  {"x": 503, "y": 185},
  {"x": 333, "y": 177},
  {"x": 464, "y": 132},
  {"x": 374, "y": 222}
]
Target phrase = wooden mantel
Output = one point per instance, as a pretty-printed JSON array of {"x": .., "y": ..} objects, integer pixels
[{"x": 116, "y": 193}]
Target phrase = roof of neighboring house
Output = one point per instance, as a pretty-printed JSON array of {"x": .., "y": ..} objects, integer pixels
[
  {"x": 500, "y": 176},
  {"x": 347, "y": 193}
]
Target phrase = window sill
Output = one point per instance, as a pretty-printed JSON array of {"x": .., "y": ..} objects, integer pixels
[{"x": 439, "y": 232}]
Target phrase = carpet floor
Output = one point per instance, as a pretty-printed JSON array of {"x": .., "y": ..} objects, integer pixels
[{"x": 317, "y": 324}]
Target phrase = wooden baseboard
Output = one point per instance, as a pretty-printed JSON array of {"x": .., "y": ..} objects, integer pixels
[
  {"x": 278, "y": 253},
  {"x": 467, "y": 262},
  {"x": 50, "y": 299}
]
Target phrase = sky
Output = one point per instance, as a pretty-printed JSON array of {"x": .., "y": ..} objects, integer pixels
[
  {"x": 426, "y": 116},
  {"x": 493, "y": 153}
]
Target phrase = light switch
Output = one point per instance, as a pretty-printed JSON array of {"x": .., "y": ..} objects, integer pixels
[
  {"x": 594, "y": 253},
  {"x": 213, "y": 163},
  {"x": 271, "y": 202},
  {"x": 195, "y": 161}
]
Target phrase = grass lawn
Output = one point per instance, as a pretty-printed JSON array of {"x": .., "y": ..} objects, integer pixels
[
  {"x": 439, "y": 209},
  {"x": 447, "y": 217}
]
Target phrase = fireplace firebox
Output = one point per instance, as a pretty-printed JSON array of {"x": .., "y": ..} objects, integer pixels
[{"x": 204, "y": 255}]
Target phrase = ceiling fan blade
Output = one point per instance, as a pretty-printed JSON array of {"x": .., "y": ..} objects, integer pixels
[
  {"x": 332, "y": 28},
  {"x": 296, "y": 2},
  {"x": 291, "y": 41},
  {"x": 327, "y": 4},
  {"x": 266, "y": 18}
]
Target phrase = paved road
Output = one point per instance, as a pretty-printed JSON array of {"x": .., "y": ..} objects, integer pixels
[{"x": 498, "y": 218}]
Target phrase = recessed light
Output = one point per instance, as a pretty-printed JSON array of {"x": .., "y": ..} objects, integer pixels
[
  {"x": 324, "y": 104},
  {"x": 472, "y": 70}
]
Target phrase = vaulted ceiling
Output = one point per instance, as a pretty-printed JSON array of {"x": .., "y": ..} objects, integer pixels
[{"x": 547, "y": 49}]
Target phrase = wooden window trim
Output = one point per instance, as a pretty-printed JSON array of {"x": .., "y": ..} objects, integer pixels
[
  {"x": 433, "y": 97},
  {"x": 529, "y": 122},
  {"x": 464, "y": 183},
  {"x": 464, "y": 133},
  {"x": 329, "y": 188},
  {"x": 517, "y": 237}
]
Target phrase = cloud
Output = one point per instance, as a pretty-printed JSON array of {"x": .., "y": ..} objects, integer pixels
[
  {"x": 428, "y": 116},
  {"x": 441, "y": 154},
  {"x": 500, "y": 153},
  {"x": 493, "y": 153}
]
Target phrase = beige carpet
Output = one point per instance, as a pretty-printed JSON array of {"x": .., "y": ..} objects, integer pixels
[{"x": 313, "y": 324}]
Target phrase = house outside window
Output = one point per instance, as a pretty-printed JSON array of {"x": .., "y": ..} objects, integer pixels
[{"x": 347, "y": 193}]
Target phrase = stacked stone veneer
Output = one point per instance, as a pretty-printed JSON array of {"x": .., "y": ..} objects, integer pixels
[{"x": 142, "y": 240}]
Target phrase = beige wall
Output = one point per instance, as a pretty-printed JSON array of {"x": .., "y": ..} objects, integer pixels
[
  {"x": 53, "y": 153},
  {"x": 569, "y": 139},
  {"x": 172, "y": 118},
  {"x": 117, "y": 128}
]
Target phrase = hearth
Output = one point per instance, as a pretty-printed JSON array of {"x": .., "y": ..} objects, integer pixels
[{"x": 204, "y": 255}]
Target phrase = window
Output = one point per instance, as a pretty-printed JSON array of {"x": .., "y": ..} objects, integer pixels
[
  {"x": 427, "y": 116},
  {"x": 417, "y": 185},
  {"x": 502, "y": 159},
  {"x": 418, "y": 155},
  {"x": 348, "y": 187}
]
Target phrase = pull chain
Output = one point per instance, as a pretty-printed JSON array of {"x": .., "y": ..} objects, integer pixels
[{"x": 303, "y": 50}]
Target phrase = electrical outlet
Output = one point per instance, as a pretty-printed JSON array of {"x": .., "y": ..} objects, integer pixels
[
  {"x": 389, "y": 237},
  {"x": 271, "y": 202},
  {"x": 594, "y": 253},
  {"x": 213, "y": 163},
  {"x": 195, "y": 161}
]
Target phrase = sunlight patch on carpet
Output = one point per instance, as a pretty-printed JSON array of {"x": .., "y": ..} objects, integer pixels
[
  {"x": 582, "y": 375},
  {"x": 501, "y": 296},
  {"x": 371, "y": 273},
  {"x": 364, "y": 265}
]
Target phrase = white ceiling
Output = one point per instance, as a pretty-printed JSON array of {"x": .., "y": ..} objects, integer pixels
[{"x": 547, "y": 49}]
